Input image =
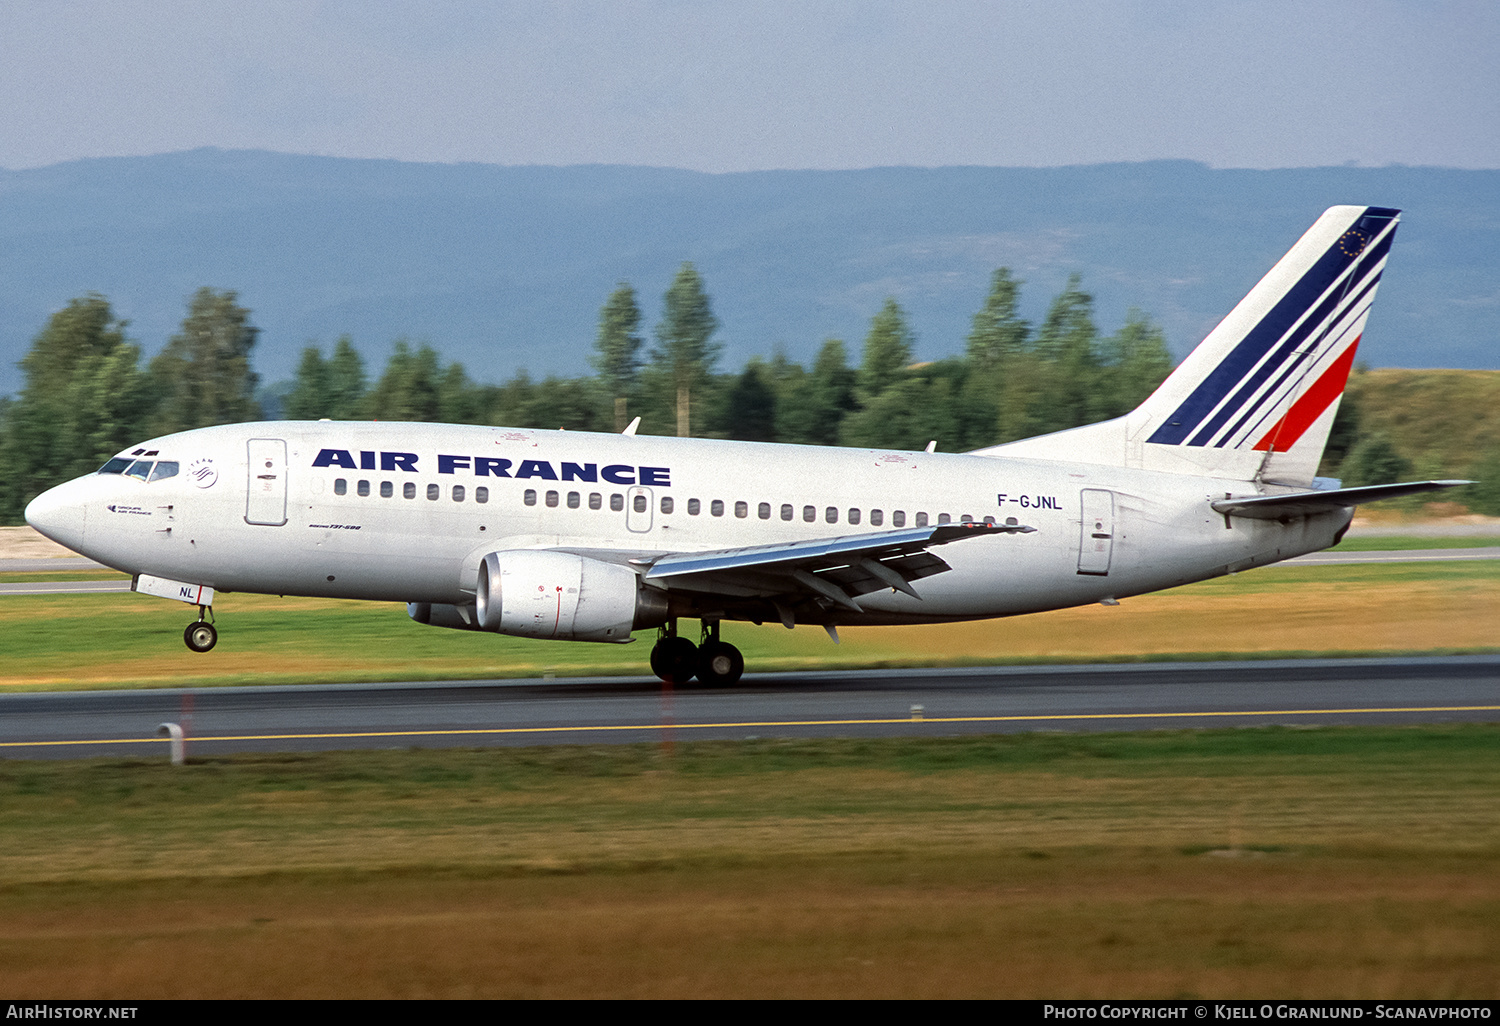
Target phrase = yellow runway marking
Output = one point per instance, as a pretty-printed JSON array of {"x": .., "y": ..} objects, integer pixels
[{"x": 473, "y": 732}]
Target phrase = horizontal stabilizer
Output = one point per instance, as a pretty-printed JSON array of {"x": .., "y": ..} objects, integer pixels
[{"x": 1305, "y": 504}]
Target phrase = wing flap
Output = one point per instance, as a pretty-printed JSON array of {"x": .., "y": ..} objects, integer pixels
[{"x": 838, "y": 569}]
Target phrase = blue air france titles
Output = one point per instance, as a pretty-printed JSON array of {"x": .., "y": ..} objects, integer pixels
[{"x": 494, "y": 466}]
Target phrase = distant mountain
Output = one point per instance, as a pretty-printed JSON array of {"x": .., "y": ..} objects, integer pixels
[{"x": 506, "y": 267}]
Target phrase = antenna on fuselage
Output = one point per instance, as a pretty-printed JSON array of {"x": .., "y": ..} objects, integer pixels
[{"x": 630, "y": 430}]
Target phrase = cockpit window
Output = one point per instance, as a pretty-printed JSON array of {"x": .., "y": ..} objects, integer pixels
[{"x": 142, "y": 469}]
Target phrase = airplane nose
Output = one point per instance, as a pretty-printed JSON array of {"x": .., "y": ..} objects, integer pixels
[{"x": 58, "y": 513}]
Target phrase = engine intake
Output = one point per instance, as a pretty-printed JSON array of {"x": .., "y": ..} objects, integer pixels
[{"x": 538, "y": 594}]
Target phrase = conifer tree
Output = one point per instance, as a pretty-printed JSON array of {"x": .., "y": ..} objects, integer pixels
[
  {"x": 888, "y": 351},
  {"x": 203, "y": 375},
  {"x": 684, "y": 335}
]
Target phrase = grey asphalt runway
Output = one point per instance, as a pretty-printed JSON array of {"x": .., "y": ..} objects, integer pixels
[{"x": 883, "y": 703}]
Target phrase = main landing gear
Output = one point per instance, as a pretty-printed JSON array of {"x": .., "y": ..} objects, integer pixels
[
  {"x": 677, "y": 660},
  {"x": 200, "y": 634}
]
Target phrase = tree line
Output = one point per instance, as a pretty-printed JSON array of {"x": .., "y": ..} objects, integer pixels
[{"x": 86, "y": 395}]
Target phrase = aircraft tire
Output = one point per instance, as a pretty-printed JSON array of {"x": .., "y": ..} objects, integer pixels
[
  {"x": 200, "y": 636},
  {"x": 720, "y": 664},
  {"x": 674, "y": 660}
]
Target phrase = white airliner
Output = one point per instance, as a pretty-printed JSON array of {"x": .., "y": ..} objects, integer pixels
[{"x": 588, "y": 537}]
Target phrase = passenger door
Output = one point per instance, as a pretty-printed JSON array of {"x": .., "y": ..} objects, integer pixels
[
  {"x": 1097, "y": 532},
  {"x": 265, "y": 497}
]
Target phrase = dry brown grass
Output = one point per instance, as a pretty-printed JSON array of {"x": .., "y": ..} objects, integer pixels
[
  {"x": 1003, "y": 925},
  {"x": 1287, "y": 863}
]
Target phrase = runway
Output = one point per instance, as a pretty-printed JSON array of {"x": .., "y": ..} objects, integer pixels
[{"x": 856, "y": 703}]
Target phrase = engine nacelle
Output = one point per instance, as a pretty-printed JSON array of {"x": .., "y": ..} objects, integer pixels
[{"x": 536, "y": 594}]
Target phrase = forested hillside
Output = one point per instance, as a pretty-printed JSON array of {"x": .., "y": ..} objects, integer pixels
[{"x": 1427, "y": 424}]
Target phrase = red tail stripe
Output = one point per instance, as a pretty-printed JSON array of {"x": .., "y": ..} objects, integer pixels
[{"x": 1311, "y": 406}]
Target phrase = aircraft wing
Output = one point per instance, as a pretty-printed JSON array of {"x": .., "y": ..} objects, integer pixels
[
  {"x": 838, "y": 569},
  {"x": 1304, "y": 504}
]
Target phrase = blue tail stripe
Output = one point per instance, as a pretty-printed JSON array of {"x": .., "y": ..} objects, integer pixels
[
  {"x": 1290, "y": 345},
  {"x": 1217, "y": 384},
  {"x": 1322, "y": 318},
  {"x": 1191, "y": 413},
  {"x": 1263, "y": 409}
]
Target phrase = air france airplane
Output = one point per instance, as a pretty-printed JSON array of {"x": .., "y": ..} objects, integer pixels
[{"x": 589, "y": 537}]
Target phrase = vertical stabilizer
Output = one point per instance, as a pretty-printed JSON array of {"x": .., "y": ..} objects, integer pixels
[{"x": 1256, "y": 399}]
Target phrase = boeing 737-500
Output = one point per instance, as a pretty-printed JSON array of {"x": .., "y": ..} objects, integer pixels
[{"x": 589, "y": 537}]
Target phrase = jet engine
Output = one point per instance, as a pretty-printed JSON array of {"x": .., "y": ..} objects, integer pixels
[{"x": 536, "y": 594}]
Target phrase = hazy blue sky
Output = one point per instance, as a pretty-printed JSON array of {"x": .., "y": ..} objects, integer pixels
[{"x": 756, "y": 84}]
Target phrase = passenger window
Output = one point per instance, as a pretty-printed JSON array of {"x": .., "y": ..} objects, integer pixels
[
  {"x": 853, "y": 516},
  {"x": 551, "y": 500},
  {"x": 595, "y": 500},
  {"x": 387, "y": 489},
  {"x": 921, "y": 520},
  {"x": 877, "y": 517},
  {"x": 944, "y": 518},
  {"x": 809, "y": 514},
  {"x": 966, "y": 519},
  {"x": 164, "y": 469},
  {"x": 458, "y": 493},
  {"x": 340, "y": 486},
  {"x": 763, "y": 511},
  {"x": 693, "y": 507},
  {"x": 408, "y": 491},
  {"x": 742, "y": 510},
  {"x": 363, "y": 488},
  {"x": 616, "y": 501},
  {"x": 717, "y": 507},
  {"x": 529, "y": 497},
  {"x": 666, "y": 504},
  {"x": 640, "y": 504},
  {"x": 898, "y": 518},
  {"x": 140, "y": 469},
  {"x": 433, "y": 491},
  {"x": 990, "y": 521},
  {"x": 481, "y": 494},
  {"x": 574, "y": 500},
  {"x": 831, "y": 514},
  {"x": 115, "y": 466},
  {"x": 786, "y": 511}
]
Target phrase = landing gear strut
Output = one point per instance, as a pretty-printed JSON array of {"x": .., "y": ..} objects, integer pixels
[
  {"x": 677, "y": 660},
  {"x": 200, "y": 634}
]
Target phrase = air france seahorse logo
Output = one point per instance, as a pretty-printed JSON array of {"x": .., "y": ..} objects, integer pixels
[{"x": 202, "y": 472}]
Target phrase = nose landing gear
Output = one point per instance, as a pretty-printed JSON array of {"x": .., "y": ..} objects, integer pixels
[
  {"x": 200, "y": 635},
  {"x": 677, "y": 660}
]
